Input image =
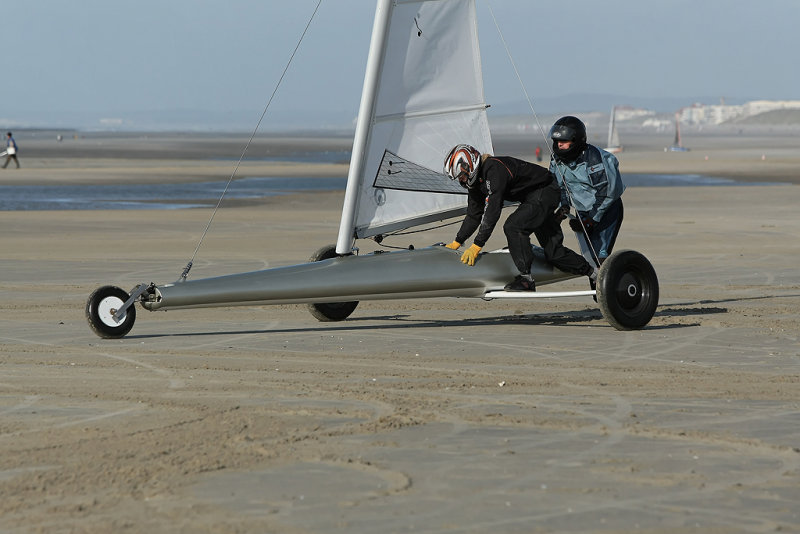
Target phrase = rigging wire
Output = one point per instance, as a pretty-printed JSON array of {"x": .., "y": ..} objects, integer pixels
[
  {"x": 188, "y": 267},
  {"x": 541, "y": 129},
  {"x": 409, "y": 232},
  {"x": 519, "y": 78},
  {"x": 379, "y": 238}
]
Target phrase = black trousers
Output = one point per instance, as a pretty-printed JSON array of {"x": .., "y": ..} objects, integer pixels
[
  {"x": 9, "y": 157},
  {"x": 536, "y": 215}
]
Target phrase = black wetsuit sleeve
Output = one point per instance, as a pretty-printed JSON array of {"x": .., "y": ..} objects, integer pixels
[
  {"x": 496, "y": 178},
  {"x": 475, "y": 203}
]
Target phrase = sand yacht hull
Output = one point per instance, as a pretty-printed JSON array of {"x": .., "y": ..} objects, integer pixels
[
  {"x": 409, "y": 118},
  {"x": 627, "y": 286},
  {"x": 430, "y": 272}
]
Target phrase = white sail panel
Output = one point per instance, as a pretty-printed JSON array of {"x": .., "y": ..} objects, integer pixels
[
  {"x": 613, "y": 144},
  {"x": 613, "y": 135},
  {"x": 432, "y": 58},
  {"x": 428, "y": 97},
  {"x": 613, "y": 140}
]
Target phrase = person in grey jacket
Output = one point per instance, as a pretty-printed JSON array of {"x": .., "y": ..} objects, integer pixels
[{"x": 590, "y": 182}]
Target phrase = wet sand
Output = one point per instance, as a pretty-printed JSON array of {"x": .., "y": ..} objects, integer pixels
[
  {"x": 438, "y": 415},
  {"x": 161, "y": 158}
]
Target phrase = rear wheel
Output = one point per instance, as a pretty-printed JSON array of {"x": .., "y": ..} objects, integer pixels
[
  {"x": 101, "y": 307},
  {"x": 627, "y": 290},
  {"x": 330, "y": 311}
]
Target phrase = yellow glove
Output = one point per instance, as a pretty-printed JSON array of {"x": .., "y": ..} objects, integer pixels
[
  {"x": 470, "y": 254},
  {"x": 454, "y": 245}
]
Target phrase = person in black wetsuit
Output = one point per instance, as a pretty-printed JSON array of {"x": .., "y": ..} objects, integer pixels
[{"x": 492, "y": 180}]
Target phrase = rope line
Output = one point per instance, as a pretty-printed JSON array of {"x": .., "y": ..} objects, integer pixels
[
  {"x": 541, "y": 131},
  {"x": 519, "y": 78},
  {"x": 188, "y": 267}
]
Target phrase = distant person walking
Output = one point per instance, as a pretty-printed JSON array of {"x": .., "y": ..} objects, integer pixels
[
  {"x": 538, "y": 153},
  {"x": 11, "y": 150}
]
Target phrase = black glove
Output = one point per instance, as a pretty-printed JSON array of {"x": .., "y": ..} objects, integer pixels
[
  {"x": 562, "y": 213},
  {"x": 575, "y": 224}
]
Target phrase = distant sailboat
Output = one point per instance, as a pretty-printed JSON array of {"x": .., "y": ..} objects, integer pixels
[
  {"x": 677, "y": 145},
  {"x": 613, "y": 144}
]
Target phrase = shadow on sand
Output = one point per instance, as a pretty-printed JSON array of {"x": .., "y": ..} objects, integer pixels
[
  {"x": 355, "y": 324},
  {"x": 676, "y": 310}
]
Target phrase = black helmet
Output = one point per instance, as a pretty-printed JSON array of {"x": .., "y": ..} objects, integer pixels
[{"x": 568, "y": 128}]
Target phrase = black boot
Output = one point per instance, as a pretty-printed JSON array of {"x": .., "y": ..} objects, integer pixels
[{"x": 523, "y": 282}]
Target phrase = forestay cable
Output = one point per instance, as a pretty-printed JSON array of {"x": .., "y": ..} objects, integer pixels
[
  {"x": 188, "y": 267},
  {"x": 519, "y": 78},
  {"x": 539, "y": 124}
]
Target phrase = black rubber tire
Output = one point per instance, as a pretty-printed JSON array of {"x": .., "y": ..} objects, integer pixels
[
  {"x": 330, "y": 311},
  {"x": 100, "y": 308},
  {"x": 627, "y": 290}
]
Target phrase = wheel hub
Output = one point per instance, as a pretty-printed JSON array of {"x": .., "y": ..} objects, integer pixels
[
  {"x": 108, "y": 308},
  {"x": 629, "y": 291}
]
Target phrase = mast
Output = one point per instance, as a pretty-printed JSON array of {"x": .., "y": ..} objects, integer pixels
[
  {"x": 366, "y": 111},
  {"x": 410, "y": 116}
]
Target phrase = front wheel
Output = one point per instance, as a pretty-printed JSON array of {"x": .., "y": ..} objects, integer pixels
[
  {"x": 627, "y": 290},
  {"x": 100, "y": 310},
  {"x": 330, "y": 311}
]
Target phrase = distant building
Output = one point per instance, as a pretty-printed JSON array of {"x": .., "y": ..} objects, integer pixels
[
  {"x": 700, "y": 114},
  {"x": 625, "y": 113}
]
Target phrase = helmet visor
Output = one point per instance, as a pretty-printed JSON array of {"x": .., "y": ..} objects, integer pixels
[{"x": 562, "y": 132}]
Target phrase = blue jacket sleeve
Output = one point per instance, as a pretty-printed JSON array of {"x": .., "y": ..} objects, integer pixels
[
  {"x": 558, "y": 172},
  {"x": 613, "y": 189}
]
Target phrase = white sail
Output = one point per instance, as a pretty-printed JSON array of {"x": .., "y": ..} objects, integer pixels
[
  {"x": 423, "y": 94},
  {"x": 613, "y": 145}
]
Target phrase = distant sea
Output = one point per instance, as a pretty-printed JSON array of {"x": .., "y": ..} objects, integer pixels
[
  {"x": 154, "y": 196},
  {"x": 206, "y": 194}
]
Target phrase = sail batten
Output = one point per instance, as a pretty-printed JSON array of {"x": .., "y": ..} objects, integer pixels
[
  {"x": 423, "y": 94},
  {"x": 430, "y": 113}
]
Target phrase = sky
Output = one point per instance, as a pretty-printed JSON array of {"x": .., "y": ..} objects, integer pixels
[{"x": 212, "y": 64}]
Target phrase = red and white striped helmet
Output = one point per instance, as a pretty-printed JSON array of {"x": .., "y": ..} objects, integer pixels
[{"x": 463, "y": 159}]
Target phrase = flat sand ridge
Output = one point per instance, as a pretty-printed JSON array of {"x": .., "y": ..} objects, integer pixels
[
  {"x": 161, "y": 158},
  {"x": 438, "y": 415}
]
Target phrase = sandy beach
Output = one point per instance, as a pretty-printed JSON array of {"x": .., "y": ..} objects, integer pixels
[{"x": 437, "y": 415}]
